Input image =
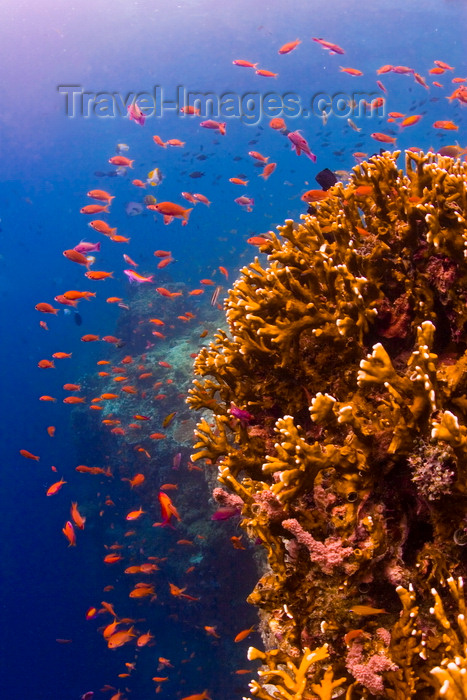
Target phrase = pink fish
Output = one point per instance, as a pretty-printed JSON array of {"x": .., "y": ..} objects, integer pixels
[
  {"x": 245, "y": 201},
  {"x": 300, "y": 145},
  {"x": 85, "y": 247},
  {"x": 211, "y": 124},
  {"x": 225, "y": 513},
  {"x": 136, "y": 114},
  {"x": 136, "y": 278}
]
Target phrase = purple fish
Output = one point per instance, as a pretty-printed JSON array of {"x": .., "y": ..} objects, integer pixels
[
  {"x": 88, "y": 696},
  {"x": 225, "y": 513},
  {"x": 244, "y": 201},
  {"x": 136, "y": 114},
  {"x": 85, "y": 247},
  {"x": 177, "y": 460},
  {"x": 300, "y": 145},
  {"x": 240, "y": 413}
]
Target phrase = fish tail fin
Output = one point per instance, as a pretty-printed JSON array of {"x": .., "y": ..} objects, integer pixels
[{"x": 187, "y": 213}]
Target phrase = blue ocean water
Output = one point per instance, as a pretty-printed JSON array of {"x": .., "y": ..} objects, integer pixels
[{"x": 49, "y": 162}]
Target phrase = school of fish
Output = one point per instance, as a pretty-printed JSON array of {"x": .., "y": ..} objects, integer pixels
[{"x": 134, "y": 379}]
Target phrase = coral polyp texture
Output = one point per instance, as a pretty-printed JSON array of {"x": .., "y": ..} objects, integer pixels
[{"x": 335, "y": 412}]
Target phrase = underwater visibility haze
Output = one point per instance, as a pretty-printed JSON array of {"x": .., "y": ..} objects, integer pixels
[{"x": 200, "y": 408}]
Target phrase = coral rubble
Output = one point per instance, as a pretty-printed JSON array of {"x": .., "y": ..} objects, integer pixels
[{"x": 335, "y": 408}]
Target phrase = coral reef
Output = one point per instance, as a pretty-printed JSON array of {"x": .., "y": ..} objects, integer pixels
[{"x": 335, "y": 408}]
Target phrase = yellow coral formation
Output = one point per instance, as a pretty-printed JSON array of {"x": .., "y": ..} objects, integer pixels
[
  {"x": 347, "y": 357},
  {"x": 284, "y": 680}
]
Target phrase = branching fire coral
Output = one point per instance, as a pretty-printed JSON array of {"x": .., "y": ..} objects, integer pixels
[{"x": 335, "y": 408}]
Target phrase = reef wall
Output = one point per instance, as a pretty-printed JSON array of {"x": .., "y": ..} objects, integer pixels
[{"x": 335, "y": 413}]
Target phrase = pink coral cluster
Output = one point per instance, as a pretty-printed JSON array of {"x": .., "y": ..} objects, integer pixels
[
  {"x": 327, "y": 555},
  {"x": 269, "y": 504},
  {"x": 366, "y": 671},
  {"x": 225, "y": 499}
]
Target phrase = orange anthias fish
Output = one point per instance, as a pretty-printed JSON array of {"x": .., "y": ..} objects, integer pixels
[
  {"x": 142, "y": 590},
  {"x": 70, "y": 534},
  {"x": 144, "y": 639},
  {"x": 179, "y": 592},
  {"x": 384, "y": 138},
  {"x": 135, "y": 514},
  {"x": 137, "y": 480},
  {"x": 198, "y": 696},
  {"x": 268, "y": 170},
  {"x": 168, "y": 509},
  {"x": 266, "y": 73},
  {"x": 46, "y": 308},
  {"x": 55, "y": 488},
  {"x": 101, "y": 195},
  {"x": 120, "y": 638},
  {"x": 244, "y": 634},
  {"x": 76, "y": 516},
  {"x": 76, "y": 257},
  {"x": 244, "y": 64},
  {"x": 290, "y": 46},
  {"x": 98, "y": 274},
  {"x": 351, "y": 71},
  {"x": 102, "y": 227},
  {"x": 94, "y": 209},
  {"x": 121, "y": 161},
  {"x": 278, "y": 124},
  {"x": 367, "y": 610},
  {"x": 171, "y": 209},
  {"x": 410, "y": 121},
  {"x": 315, "y": 196},
  {"x": 29, "y": 455},
  {"x": 448, "y": 125},
  {"x": 112, "y": 558},
  {"x": 83, "y": 469}
]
